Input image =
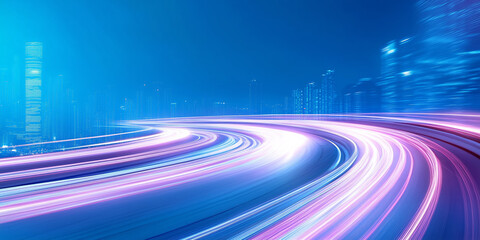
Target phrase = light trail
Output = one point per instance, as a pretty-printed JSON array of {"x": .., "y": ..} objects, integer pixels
[{"x": 261, "y": 177}]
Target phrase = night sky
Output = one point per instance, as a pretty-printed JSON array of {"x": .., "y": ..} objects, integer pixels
[{"x": 206, "y": 49}]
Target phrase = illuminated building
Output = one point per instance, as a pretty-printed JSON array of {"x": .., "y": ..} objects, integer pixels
[
  {"x": 362, "y": 97},
  {"x": 327, "y": 93},
  {"x": 311, "y": 99},
  {"x": 400, "y": 90},
  {"x": 33, "y": 92},
  {"x": 298, "y": 106},
  {"x": 449, "y": 58},
  {"x": 389, "y": 78},
  {"x": 315, "y": 98},
  {"x": 254, "y": 103},
  {"x": 173, "y": 109}
]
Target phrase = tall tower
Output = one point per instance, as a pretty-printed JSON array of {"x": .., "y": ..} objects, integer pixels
[
  {"x": 33, "y": 92},
  {"x": 449, "y": 53},
  {"x": 389, "y": 78},
  {"x": 327, "y": 93},
  {"x": 311, "y": 95},
  {"x": 298, "y": 101},
  {"x": 254, "y": 103}
]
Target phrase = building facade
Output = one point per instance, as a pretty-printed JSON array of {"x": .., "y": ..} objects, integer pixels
[{"x": 33, "y": 91}]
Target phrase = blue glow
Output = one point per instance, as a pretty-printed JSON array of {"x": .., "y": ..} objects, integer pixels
[{"x": 168, "y": 119}]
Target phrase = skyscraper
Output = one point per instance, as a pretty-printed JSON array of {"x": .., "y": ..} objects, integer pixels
[
  {"x": 400, "y": 90},
  {"x": 254, "y": 102},
  {"x": 33, "y": 92},
  {"x": 389, "y": 78},
  {"x": 327, "y": 93},
  {"x": 362, "y": 97},
  {"x": 312, "y": 98},
  {"x": 316, "y": 97},
  {"x": 298, "y": 104},
  {"x": 450, "y": 51},
  {"x": 407, "y": 73}
]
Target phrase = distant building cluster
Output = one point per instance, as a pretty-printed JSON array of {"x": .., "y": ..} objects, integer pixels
[
  {"x": 36, "y": 106},
  {"x": 439, "y": 69},
  {"x": 317, "y": 97}
]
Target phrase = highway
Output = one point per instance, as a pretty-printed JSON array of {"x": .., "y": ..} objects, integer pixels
[{"x": 378, "y": 176}]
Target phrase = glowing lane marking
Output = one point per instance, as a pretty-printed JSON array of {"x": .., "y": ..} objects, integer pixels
[
  {"x": 394, "y": 203},
  {"x": 65, "y": 168},
  {"x": 244, "y": 235},
  {"x": 230, "y": 146},
  {"x": 373, "y": 200},
  {"x": 227, "y": 146},
  {"x": 143, "y": 182},
  {"x": 168, "y": 135},
  {"x": 420, "y": 221},
  {"x": 330, "y": 206},
  {"x": 423, "y": 216},
  {"x": 470, "y": 192},
  {"x": 451, "y": 126},
  {"x": 305, "y": 219},
  {"x": 315, "y": 184},
  {"x": 79, "y": 139},
  {"x": 217, "y": 228}
]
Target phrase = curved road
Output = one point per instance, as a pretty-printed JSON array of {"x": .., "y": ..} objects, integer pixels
[{"x": 389, "y": 176}]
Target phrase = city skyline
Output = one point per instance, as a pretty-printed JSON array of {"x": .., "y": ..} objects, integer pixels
[
  {"x": 220, "y": 47},
  {"x": 404, "y": 83},
  {"x": 278, "y": 119}
]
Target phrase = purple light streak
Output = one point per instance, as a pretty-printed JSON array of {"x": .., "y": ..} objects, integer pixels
[{"x": 383, "y": 176}]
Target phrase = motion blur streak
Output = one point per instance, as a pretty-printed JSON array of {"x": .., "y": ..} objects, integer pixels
[{"x": 263, "y": 177}]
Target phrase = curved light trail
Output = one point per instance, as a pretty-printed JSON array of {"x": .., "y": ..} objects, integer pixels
[{"x": 383, "y": 176}]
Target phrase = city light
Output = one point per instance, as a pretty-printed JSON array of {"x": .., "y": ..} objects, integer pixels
[
  {"x": 367, "y": 166},
  {"x": 391, "y": 51},
  {"x": 240, "y": 119}
]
